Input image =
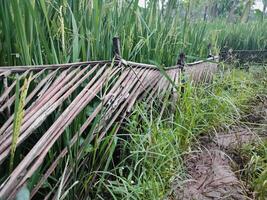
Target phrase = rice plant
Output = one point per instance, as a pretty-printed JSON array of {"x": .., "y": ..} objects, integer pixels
[
  {"x": 18, "y": 116},
  {"x": 69, "y": 31}
]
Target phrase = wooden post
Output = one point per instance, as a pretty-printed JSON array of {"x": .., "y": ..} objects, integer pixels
[
  {"x": 223, "y": 55},
  {"x": 116, "y": 47},
  {"x": 209, "y": 51},
  {"x": 205, "y": 13},
  {"x": 181, "y": 61},
  {"x": 181, "y": 64}
]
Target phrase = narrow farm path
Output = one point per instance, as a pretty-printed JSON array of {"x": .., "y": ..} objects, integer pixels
[{"x": 213, "y": 167}]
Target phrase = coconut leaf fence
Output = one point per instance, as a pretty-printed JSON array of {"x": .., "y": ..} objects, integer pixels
[{"x": 54, "y": 95}]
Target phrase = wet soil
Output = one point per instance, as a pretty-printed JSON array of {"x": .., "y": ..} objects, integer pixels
[{"x": 213, "y": 167}]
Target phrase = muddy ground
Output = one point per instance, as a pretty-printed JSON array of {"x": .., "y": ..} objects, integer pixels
[{"x": 213, "y": 168}]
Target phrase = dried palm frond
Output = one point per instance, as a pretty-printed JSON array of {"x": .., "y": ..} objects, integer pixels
[{"x": 114, "y": 86}]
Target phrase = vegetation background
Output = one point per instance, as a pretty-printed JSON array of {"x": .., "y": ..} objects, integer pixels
[{"x": 46, "y": 31}]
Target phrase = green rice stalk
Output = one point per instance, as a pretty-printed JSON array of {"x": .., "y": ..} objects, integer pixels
[{"x": 18, "y": 117}]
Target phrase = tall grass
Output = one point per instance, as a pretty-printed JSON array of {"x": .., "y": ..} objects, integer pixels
[
  {"x": 153, "y": 145},
  {"x": 241, "y": 36},
  {"x": 37, "y": 32}
]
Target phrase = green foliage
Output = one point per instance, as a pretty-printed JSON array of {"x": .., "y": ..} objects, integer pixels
[
  {"x": 255, "y": 171},
  {"x": 69, "y": 31}
]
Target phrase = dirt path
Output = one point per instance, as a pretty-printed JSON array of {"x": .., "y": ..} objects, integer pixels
[{"x": 213, "y": 168}]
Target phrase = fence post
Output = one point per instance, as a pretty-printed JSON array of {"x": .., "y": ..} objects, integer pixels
[
  {"x": 209, "y": 51},
  {"x": 223, "y": 55},
  {"x": 181, "y": 64},
  {"x": 181, "y": 61},
  {"x": 116, "y": 47}
]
